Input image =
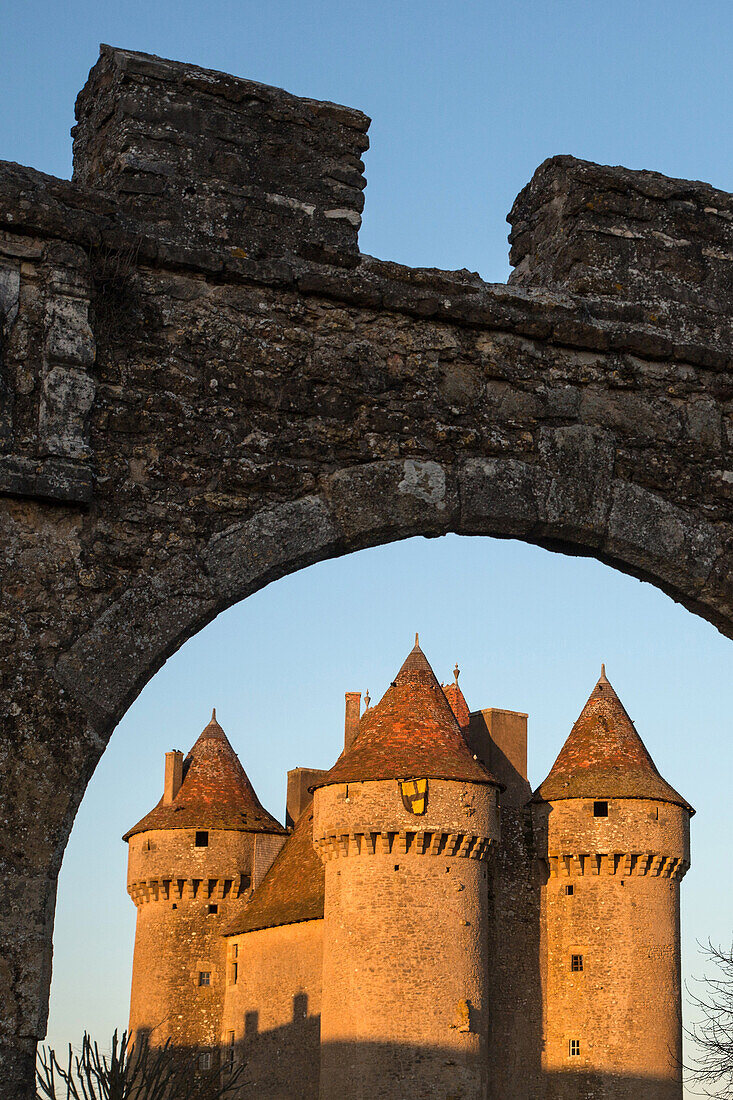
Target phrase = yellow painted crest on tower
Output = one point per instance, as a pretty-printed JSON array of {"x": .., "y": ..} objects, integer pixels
[{"x": 414, "y": 795}]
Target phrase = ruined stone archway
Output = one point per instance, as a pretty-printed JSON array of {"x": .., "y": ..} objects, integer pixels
[{"x": 204, "y": 386}]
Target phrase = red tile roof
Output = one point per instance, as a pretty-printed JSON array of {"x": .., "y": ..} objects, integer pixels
[
  {"x": 215, "y": 793},
  {"x": 411, "y": 733},
  {"x": 292, "y": 890},
  {"x": 604, "y": 757},
  {"x": 458, "y": 704}
]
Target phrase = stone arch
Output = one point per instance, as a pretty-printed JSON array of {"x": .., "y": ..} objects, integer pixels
[
  {"x": 582, "y": 512},
  {"x": 587, "y": 407}
]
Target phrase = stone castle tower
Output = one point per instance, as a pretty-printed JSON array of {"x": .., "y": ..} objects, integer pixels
[
  {"x": 425, "y": 926},
  {"x": 406, "y": 898},
  {"x": 617, "y": 840},
  {"x": 192, "y": 860}
]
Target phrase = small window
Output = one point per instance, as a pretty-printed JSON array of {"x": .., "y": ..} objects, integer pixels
[
  {"x": 202, "y": 841},
  {"x": 576, "y": 963},
  {"x": 230, "y": 1049},
  {"x": 600, "y": 809},
  {"x": 575, "y": 1048},
  {"x": 213, "y": 909},
  {"x": 174, "y": 905},
  {"x": 235, "y": 949},
  {"x": 569, "y": 889},
  {"x": 204, "y": 977},
  {"x": 235, "y": 973},
  {"x": 204, "y": 1061}
]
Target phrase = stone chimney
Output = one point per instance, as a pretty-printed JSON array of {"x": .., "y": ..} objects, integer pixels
[
  {"x": 173, "y": 775},
  {"x": 353, "y": 714},
  {"x": 300, "y": 780}
]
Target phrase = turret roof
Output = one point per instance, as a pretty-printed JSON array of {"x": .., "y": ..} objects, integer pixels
[
  {"x": 293, "y": 888},
  {"x": 215, "y": 793},
  {"x": 604, "y": 757},
  {"x": 457, "y": 701},
  {"x": 412, "y": 732}
]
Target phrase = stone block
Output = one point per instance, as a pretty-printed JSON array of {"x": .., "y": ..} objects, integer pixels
[
  {"x": 109, "y": 665},
  {"x": 380, "y": 501},
  {"x": 275, "y": 542},
  {"x": 576, "y": 506},
  {"x": 660, "y": 539},
  {"x": 241, "y": 167},
  {"x": 503, "y": 497},
  {"x": 594, "y": 230},
  {"x": 66, "y": 402}
]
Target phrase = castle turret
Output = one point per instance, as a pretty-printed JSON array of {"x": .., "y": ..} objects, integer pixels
[
  {"x": 190, "y": 858},
  {"x": 616, "y": 838},
  {"x": 403, "y": 823}
]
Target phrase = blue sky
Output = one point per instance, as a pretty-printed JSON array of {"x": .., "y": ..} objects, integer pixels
[{"x": 466, "y": 100}]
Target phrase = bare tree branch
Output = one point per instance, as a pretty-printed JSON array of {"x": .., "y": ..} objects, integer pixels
[{"x": 712, "y": 1035}]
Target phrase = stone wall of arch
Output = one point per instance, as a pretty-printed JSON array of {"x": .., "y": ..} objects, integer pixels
[{"x": 196, "y": 400}]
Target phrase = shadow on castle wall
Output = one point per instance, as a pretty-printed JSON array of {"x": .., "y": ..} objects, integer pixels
[{"x": 283, "y": 1063}]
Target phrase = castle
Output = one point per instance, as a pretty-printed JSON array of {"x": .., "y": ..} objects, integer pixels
[{"x": 424, "y": 926}]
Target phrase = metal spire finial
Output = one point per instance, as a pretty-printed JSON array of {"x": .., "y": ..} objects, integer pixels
[
  {"x": 213, "y": 714},
  {"x": 456, "y": 672},
  {"x": 603, "y": 672},
  {"x": 367, "y": 699},
  {"x": 417, "y": 640}
]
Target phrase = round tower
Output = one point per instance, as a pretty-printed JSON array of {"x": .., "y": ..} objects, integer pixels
[
  {"x": 189, "y": 859},
  {"x": 616, "y": 838},
  {"x": 403, "y": 823}
]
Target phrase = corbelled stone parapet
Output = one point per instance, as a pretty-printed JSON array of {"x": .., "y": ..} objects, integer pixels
[
  {"x": 404, "y": 842},
  {"x": 193, "y": 889},
  {"x": 654, "y": 864}
]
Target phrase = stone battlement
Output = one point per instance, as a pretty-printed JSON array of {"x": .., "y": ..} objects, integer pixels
[
  {"x": 229, "y": 163},
  {"x": 619, "y": 863},
  {"x": 177, "y": 889},
  {"x": 412, "y": 842}
]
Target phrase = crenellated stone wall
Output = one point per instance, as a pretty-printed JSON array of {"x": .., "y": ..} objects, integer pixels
[{"x": 204, "y": 388}]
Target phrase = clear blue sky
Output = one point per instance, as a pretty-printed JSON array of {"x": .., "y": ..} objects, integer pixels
[{"x": 467, "y": 99}]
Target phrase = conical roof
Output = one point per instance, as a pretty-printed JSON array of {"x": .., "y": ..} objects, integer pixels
[
  {"x": 411, "y": 733},
  {"x": 457, "y": 701},
  {"x": 215, "y": 792},
  {"x": 604, "y": 757},
  {"x": 293, "y": 889}
]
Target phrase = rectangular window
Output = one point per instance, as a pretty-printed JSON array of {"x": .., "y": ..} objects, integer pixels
[
  {"x": 204, "y": 977},
  {"x": 235, "y": 973},
  {"x": 202, "y": 839},
  {"x": 214, "y": 909},
  {"x": 576, "y": 963},
  {"x": 204, "y": 1061},
  {"x": 569, "y": 889},
  {"x": 235, "y": 949},
  {"x": 230, "y": 1048},
  {"x": 600, "y": 809},
  {"x": 575, "y": 1048}
]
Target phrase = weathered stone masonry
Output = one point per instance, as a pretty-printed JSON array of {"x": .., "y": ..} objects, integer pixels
[{"x": 204, "y": 386}]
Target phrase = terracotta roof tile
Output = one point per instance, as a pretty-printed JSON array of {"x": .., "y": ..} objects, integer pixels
[
  {"x": 458, "y": 704},
  {"x": 293, "y": 888},
  {"x": 412, "y": 732},
  {"x": 215, "y": 793},
  {"x": 604, "y": 757}
]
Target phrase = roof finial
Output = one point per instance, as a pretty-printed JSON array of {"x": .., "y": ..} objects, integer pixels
[
  {"x": 367, "y": 699},
  {"x": 213, "y": 714},
  {"x": 603, "y": 672},
  {"x": 417, "y": 640},
  {"x": 456, "y": 672}
]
